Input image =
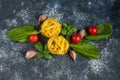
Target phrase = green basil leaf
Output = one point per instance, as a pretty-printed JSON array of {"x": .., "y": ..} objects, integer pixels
[
  {"x": 39, "y": 46},
  {"x": 47, "y": 55},
  {"x": 43, "y": 51},
  {"x": 21, "y": 34},
  {"x": 69, "y": 33},
  {"x": 16, "y": 34},
  {"x": 69, "y": 25},
  {"x": 67, "y": 30},
  {"x": 64, "y": 32},
  {"x": 64, "y": 25},
  {"x": 68, "y": 37},
  {"x": 45, "y": 47},
  {"x": 104, "y": 31},
  {"x": 87, "y": 49},
  {"x": 73, "y": 30},
  {"x": 29, "y": 29},
  {"x": 40, "y": 55}
]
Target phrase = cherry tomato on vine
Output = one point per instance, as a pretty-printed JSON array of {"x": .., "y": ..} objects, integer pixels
[
  {"x": 93, "y": 30},
  {"x": 76, "y": 38},
  {"x": 33, "y": 38}
]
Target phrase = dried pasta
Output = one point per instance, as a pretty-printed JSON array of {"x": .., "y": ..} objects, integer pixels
[
  {"x": 50, "y": 27},
  {"x": 58, "y": 45}
]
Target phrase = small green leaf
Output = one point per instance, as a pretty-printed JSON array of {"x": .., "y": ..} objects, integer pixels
[
  {"x": 68, "y": 37},
  {"x": 69, "y": 25},
  {"x": 73, "y": 29},
  {"x": 68, "y": 30},
  {"x": 40, "y": 55},
  {"x": 45, "y": 47},
  {"x": 87, "y": 49},
  {"x": 39, "y": 46},
  {"x": 104, "y": 31},
  {"x": 64, "y": 25},
  {"x": 43, "y": 51},
  {"x": 64, "y": 32},
  {"x": 69, "y": 33},
  {"x": 47, "y": 55}
]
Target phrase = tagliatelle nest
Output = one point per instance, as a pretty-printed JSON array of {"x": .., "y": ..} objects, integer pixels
[
  {"x": 58, "y": 45},
  {"x": 50, "y": 27}
]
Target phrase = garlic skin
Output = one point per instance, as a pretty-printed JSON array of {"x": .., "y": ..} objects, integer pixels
[
  {"x": 73, "y": 55},
  {"x": 82, "y": 33},
  {"x": 30, "y": 54},
  {"x": 42, "y": 18}
]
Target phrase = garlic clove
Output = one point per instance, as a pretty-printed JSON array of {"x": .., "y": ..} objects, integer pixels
[
  {"x": 82, "y": 33},
  {"x": 30, "y": 54},
  {"x": 42, "y": 18},
  {"x": 73, "y": 55}
]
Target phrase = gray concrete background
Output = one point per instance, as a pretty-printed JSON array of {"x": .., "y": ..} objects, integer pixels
[{"x": 80, "y": 13}]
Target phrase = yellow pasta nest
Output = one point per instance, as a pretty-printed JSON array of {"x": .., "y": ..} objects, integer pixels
[
  {"x": 58, "y": 45},
  {"x": 50, "y": 27}
]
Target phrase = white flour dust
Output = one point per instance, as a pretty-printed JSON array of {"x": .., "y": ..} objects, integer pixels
[
  {"x": 11, "y": 22},
  {"x": 3, "y": 36},
  {"x": 4, "y": 67},
  {"x": 53, "y": 12},
  {"x": 89, "y": 3},
  {"x": 24, "y": 15},
  {"x": 97, "y": 66},
  {"x": 4, "y": 49},
  {"x": 17, "y": 76}
]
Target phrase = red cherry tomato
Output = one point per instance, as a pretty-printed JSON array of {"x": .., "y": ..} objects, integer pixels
[
  {"x": 93, "y": 30},
  {"x": 76, "y": 38},
  {"x": 33, "y": 38}
]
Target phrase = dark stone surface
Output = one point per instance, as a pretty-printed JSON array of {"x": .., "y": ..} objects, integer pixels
[{"x": 80, "y": 13}]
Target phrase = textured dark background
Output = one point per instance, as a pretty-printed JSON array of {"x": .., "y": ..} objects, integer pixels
[{"x": 80, "y": 13}]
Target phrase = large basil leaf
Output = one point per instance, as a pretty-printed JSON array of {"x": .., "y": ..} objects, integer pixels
[
  {"x": 104, "y": 31},
  {"x": 21, "y": 34},
  {"x": 87, "y": 49}
]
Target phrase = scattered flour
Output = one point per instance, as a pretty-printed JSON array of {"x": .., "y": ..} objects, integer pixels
[
  {"x": 11, "y": 22},
  {"x": 2, "y": 53},
  {"x": 53, "y": 12},
  {"x": 8, "y": 49},
  {"x": 17, "y": 76},
  {"x": 97, "y": 66},
  {"x": 22, "y": 3},
  {"x": 4, "y": 49},
  {"x": 56, "y": 74},
  {"x": 84, "y": 74},
  {"x": 35, "y": 69},
  {"x": 24, "y": 15},
  {"x": 3, "y": 36},
  {"x": 89, "y": 3},
  {"x": 3, "y": 67}
]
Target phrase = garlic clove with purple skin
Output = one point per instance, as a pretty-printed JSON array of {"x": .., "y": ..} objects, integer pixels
[
  {"x": 42, "y": 18},
  {"x": 30, "y": 54},
  {"x": 73, "y": 55},
  {"x": 82, "y": 33}
]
